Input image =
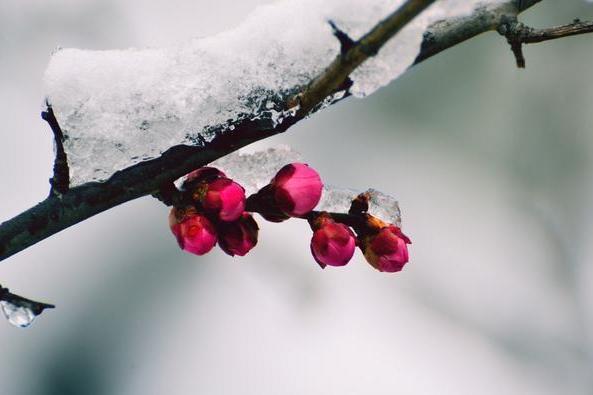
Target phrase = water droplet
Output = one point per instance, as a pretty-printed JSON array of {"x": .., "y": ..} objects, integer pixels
[{"x": 18, "y": 316}]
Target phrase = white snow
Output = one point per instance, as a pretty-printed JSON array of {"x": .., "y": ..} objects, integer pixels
[{"x": 120, "y": 107}]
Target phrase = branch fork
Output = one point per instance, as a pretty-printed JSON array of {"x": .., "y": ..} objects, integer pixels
[{"x": 518, "y": 34}]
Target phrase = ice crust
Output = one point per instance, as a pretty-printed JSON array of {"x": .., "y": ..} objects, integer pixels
[
  {"x": 381, "y": 205},
  {"x": 120, "y": 107},
  {"x": 256, "y": 169}
]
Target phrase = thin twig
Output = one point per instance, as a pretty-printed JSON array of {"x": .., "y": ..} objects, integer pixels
[
  {"x": 577, "y": 27},
  {"x": 518, "y": 34},
  {"x": 60, "y": 182}
]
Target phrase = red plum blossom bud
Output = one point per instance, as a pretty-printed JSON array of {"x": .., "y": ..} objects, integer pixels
[
  {"x": 222, "y": 197},
  {"x": 297, "y": 189},
  {"x": 386, "y": 250},
  {"x": 332, "y": 243},
  {"x": 194, "y": 232},
  {"x": 239, "y": 237}
]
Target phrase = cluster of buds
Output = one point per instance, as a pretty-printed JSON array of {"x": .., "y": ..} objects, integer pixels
[{"x": 213, "y": 208}]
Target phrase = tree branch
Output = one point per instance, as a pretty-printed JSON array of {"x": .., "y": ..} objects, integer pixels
[
  {"x": 337, "y": 73},
  {"x": 448, "y": 33},
  {"x": 60, "y": 211}
]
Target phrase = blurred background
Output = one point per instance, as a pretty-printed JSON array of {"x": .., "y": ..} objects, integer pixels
[{"x": 492, "y": 167}]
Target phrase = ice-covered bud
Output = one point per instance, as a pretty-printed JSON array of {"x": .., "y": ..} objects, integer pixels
[
  {"x": 200, "y": 176},
  {"x": 194, "y": 232},
  {"x": 222, "y": 197},
  {"x": 205, "y": 173},
  {"x": 386, "y": 250},
  {"x": 239, "y": 237},
  {"x": 297, "y": 189},
  {"x": 332, "y": 243}
]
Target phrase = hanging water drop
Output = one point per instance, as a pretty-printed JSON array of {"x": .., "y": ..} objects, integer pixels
[
  {"x": 18, "y": 316},
  {"x": 19, "y": 311}
]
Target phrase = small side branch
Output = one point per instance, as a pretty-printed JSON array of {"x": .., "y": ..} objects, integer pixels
[
  {"x": 450, "y": 32},
  {"x": 60, "y": 182},
  {"x": 501, "y": 17},
  {"x": 518, "y": 34},
  {"x": 577, "y": 27},
  {"x": 345, "y": 41},
  {"x": 513, "y": 31}
]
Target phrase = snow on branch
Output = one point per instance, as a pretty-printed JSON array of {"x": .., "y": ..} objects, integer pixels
[
  {"x": 134, "y": 121},
  {"x": 121, "y": 107}
]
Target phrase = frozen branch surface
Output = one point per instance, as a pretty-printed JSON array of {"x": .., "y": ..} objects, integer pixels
[{"x": 135, "y": 120}]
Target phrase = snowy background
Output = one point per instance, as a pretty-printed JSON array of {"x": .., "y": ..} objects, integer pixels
[{"x": 492, "y": 167}]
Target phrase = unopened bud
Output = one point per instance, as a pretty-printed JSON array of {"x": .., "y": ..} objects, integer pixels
[
  {"x": 297, "y": 189},
  {"x": 222, "y": 197},
  {"x": 194, "y": 232},
  {"x": 240, "y": 236},
  {"x": 386, "y": 250},
  {"x": 332, "y": 243}
]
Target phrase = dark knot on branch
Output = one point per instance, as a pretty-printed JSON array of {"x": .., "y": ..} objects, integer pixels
[{"x": 515, "y": 33}]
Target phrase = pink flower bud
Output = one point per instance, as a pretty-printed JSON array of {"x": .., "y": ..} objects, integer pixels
[
  {"x": 332, "y": 243},
  {"x": 239, "y": 237},
  {"x": 387, "y": 250},
  {"x": 222, "y": 197},
  {"x": 297, "y": 189},
  {"x": 194, "y": 232}
]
